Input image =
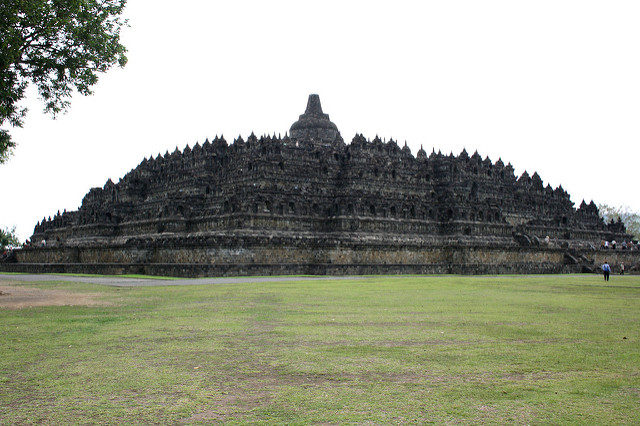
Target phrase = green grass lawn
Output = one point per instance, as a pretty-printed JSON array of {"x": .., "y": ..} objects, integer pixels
[{"x": 525, "y": 349}]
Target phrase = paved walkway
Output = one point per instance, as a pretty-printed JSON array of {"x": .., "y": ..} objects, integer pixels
[{"x": 116, "y": 281}]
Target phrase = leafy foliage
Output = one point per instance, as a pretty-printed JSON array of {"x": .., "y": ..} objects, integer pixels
[
  {"x": 8, "y": 238},
  {"x": 6, "y": 146},
  {"x": 630, "y": 218},
  {"x": 57, "y": 45}
]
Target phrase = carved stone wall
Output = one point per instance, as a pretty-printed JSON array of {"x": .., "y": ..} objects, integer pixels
[{"x": 257, "y": 259}]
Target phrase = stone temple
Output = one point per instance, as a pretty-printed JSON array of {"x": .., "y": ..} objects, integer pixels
[{"x": 309, "y": 203}]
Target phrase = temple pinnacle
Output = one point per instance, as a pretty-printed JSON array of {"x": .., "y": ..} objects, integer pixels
[
  {"x": 313, "y": 105},
  {"x": 315, "y": 125}
]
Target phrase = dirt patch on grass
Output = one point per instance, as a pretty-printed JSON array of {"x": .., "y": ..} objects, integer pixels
[
  {"x": 229, "y": 407},
  {"x": 18, "y": 297},
  {"x": 533, "y": 376}
]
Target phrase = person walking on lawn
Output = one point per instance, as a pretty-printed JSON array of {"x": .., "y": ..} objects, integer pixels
[{"x": 606, "y": 270}]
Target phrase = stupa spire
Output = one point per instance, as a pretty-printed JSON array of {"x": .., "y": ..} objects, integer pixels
[{"x": 313, "y": 106}]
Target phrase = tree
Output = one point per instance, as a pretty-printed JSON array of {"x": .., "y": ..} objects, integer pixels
[
  {"x": 8, "y": 238},
  {"x": 630, "y": 218},
  {"x": 57, "y": 45}
]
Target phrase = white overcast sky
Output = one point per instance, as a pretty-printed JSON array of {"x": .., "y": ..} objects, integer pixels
[{"x": 550, "y": 86}]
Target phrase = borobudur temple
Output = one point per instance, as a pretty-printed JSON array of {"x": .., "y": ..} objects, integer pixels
[{"x": 308, "y": 203}]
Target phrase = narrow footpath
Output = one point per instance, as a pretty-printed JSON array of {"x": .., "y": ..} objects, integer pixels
[{"x": 116, "y": 281}]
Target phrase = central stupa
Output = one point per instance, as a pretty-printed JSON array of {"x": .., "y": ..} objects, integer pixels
[{"x": 315, "y": 125}]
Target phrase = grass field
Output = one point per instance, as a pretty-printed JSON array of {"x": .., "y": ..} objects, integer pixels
[{"x": 525, "y": 349}]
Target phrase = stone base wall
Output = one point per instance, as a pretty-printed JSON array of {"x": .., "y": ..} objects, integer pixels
[
  {"x": 195, "y": 270},
  {"x": 226, "y": 255}
]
